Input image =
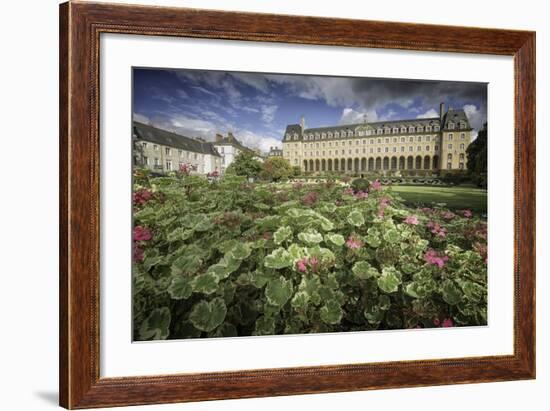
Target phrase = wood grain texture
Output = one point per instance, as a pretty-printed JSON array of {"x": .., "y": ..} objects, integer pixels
[{"x": 80, "y": 27}]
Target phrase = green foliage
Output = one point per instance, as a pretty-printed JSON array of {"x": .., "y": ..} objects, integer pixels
[
  {"x": 477, "y": 153},
  {"x": 234, "y": 259},
  {"x": 245, "y": 164},
  {"x": 360, "y": 184},
  {"x": 276, "y": 169}
]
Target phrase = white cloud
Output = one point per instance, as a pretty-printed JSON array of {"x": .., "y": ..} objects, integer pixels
[
  {"x": 268, "y": 113},
  {"x": 351, "y": 116},
  {"x": 428, "y": 114},
  {"x": 141, "y": 118}
]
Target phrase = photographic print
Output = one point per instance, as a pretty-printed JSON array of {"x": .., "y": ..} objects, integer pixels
[{"x": 271, "y": 204}]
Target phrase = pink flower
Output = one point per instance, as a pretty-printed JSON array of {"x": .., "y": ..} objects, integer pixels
[
  {"x": 382, "y": 204},
  {"x": 361, "y": 194},
  {"x": 353, "y": 243},
  {"x": 436, "y": 229},
  {"x": 375, "y": 185},
  {"x": 348, "y": 191},
  {"x": 142, "y": 234},
  {"x": 448, "y": 215},
  {"x": 434, "y": 258},
  {"x": 467, "y": 213},
  {"x": 411, "y": 220},
  {"x": 427, "y": 210},
  {"x": 436, "y": 322},
  {"x": 301, "y": 265},
  {"x": 313, "y": 262},
  {"x": 448, "y": 322},
  {"x": 138, "y": 254}
]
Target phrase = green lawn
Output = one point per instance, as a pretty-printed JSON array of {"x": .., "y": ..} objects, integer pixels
[{"x": 454, "y": 197}]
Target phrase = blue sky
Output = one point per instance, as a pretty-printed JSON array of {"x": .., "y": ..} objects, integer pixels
[{"x": 257, "y": 107}]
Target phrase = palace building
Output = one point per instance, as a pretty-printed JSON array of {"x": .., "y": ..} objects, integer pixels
[{"x": 430, "y": 144}]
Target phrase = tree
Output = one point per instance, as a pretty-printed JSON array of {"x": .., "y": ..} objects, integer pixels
[
  {"x": 296, "y": 171},
  {"x": 276, "y": 168},
  {"x": 477, "y": 153},
  {"x": 245, "y": 165}
]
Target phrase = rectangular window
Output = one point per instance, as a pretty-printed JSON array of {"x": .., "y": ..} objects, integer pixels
[
  {"x": 449, "y": 166},
  {"x": 450, "y": 137},
  {"x": 436, "y": 147},
  {"x": 155, "y": 147},
  {"x": 419, "y": 138},
  {"x": 386, "y": 149},
  {"x": 461, "y": 166},
  {"x": 167, "y": 151},
  {"x": 146, "y": 160},
  {"x": 157, "y": 163},
  {"x": 410, "y": 148},
  {"x": 180, "y": 152},
  {"x": 427, "y": 148},
  {"x": 169, "y": 165},
  {"x": 462, "y": 146},
  {"x": 402, "y": 149},
  {"x": 450, "y": 146},
  {"x": 419, "y": 148},
  {"x": 462, "y": 136},
  {"x": 371, "y": 150},
  {"x": 144, "y": 144},
  {"x": 378, "y": 150}
]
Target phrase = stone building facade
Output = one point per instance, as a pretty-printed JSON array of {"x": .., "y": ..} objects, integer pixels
[
  {"x": 162, "y": 151},
  {"x": 229, "y": 148},
  {"x": 275, "y": 152},
  {"x": 430, "y": 144}
]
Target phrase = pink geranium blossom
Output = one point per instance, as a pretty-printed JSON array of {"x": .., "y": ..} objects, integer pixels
[
  {"x": 448, "y": 215},
  {"x": 382, "y": 204},
  {"x": 448, "y": 322},
  {"x": 142, "y": 234},
  {"x": 361, "y": 195},
  {"x": 437, "y": 229},
  {"x": 353, "y": 243},
  {"x": 411, "y": 220},
  {"x": 348, "y": 191},
  {"x": 437, "y": 322},
  {"x": 434, "y": 258},
  {"x": 467, "y": 213},
  {"x": 376, "y": 185},
  {"x": 301, "y": 265}
]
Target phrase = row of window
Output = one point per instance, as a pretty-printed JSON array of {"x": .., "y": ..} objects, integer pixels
[
  {"x": 371, "y": 150},
  {"x": 181, "y": 153},
  {"x": 411, "y": 139}
]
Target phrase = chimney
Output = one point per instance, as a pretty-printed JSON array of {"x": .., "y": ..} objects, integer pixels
[
  {"x": 441, "y": 111},
  {"x": 302, "y": 123},
  {"x": 219, "y": 137},
  {"x": 230, "y": 136}
]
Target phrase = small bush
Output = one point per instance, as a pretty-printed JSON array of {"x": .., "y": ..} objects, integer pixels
[{"x": 360, "y": 184}]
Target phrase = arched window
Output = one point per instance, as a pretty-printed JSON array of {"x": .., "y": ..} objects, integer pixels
[
  {"x": 419, "y": 138},
  {"x": 402, "y": 139},
  {"x": 462, "y": 146},
  {"x": 449, "y": 156}
]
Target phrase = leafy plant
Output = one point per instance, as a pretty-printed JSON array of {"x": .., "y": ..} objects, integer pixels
[{"x": 230, "y": 258}]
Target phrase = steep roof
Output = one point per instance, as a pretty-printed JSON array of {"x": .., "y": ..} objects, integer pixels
[
  {"x": 232, "y": 141},
  {"x": 159, "y": 136},
  {"x": 456, "y": 116}
]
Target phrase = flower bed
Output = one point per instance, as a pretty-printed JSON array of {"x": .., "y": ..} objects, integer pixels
[{"x": 230, "y": 258}]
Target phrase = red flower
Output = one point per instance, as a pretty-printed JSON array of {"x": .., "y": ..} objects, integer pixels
[
  {"x": 140, "y": 197},
  {"x": 448, "y": 322},
  {"x": 142, "y": 234}
]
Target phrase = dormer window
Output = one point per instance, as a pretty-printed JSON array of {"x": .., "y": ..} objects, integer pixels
[
  {"x": 436, "y": 128},
  {"x": 419, "y": 129},
  {"x": 411, "y": 129},
  {"x": 428, "y": 128},
  {"x": 379, "y": 131},
  {"x": 403, "y": 129},
  {"x": 450, "y": 125}
]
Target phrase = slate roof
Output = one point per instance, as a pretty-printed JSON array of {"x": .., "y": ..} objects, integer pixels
[
  {"x": 232, "y": 141},
  {"x": 166, "y": 138},
  {"x": 456, "y": 116},
  {"x": 451, "y": 115}
]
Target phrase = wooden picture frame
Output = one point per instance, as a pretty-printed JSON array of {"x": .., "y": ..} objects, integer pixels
[{"x": 80, "y": 27}]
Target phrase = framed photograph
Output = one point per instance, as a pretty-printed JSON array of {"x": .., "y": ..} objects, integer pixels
[{"x": 258, "y": 205}]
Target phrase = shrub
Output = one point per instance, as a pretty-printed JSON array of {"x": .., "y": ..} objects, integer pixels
[
  {"x": 360, "y": 184},
  {"x": 238, "y": 259}
]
